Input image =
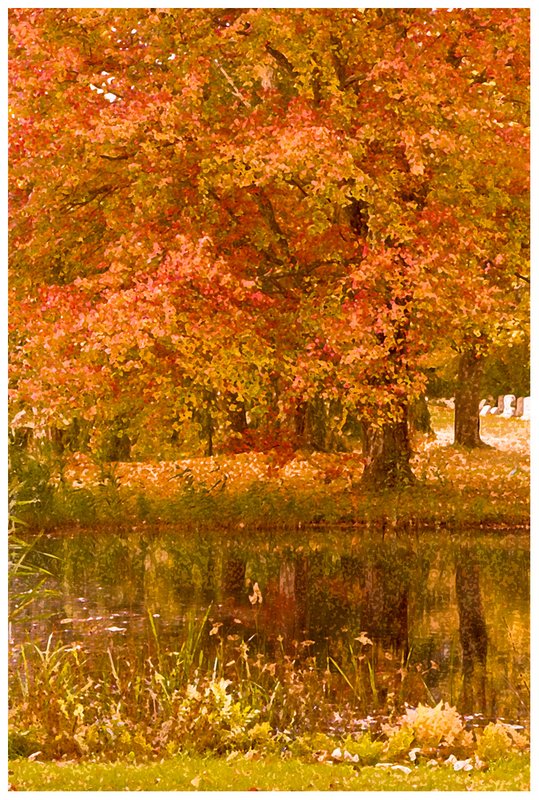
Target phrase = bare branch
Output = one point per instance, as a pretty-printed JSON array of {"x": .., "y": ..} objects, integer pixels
[{"x": 235, "y": 89}]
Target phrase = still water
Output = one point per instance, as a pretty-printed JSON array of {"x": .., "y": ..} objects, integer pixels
[{"x": 439, "y": 615}]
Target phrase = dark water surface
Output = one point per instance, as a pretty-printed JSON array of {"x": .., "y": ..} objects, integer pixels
[{"x": 447, "y": 615}]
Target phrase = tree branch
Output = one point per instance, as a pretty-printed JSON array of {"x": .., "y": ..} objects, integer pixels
[
  {"x": 235, "y": 89},
  {"x": 116, "y": 158},
  {"x": 282, "y": 60},
  {"x": 268, "y": 212}
]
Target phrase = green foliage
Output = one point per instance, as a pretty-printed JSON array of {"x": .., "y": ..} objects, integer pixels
[
  {"x": 507, "y": 371},
  {"x": 498, "y": 740},
  {"x": 210, "y": 718},
  {"x": 399, "y": 743},
  {"x": 310, "y": 743},
  {"x": 30, "y": 479},
  {"x": 225, "y": 700},
  {"x": 368, "y": 750},
  {"x": 25, "y": 559},
  {"x": 21, "y": 744}
]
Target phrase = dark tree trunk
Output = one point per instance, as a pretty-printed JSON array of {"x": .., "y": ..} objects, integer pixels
[
  {"x": 289, "y": 612},
  {"x": 119, "y": 448},
  {"x": 300, "y": 420},
  {"x": 310, "y": 424},
  {"x": 234, "y": 578},
  {"x": 58, "y": 440},
  {"x": 117, "y": 443},
  {"x": 467, "y": 397},
  {"x": 237, "y": 413},
  {"x": 388, "y": 454},
  {"x": 20, "y": 438},
  {"x": 207, "y": 431},
  {"x": 206, "y": 421},
  {"x": 420, "y": 415},
  {"x": 318, "y": 423},
  {"x": 386, "y": 606}
]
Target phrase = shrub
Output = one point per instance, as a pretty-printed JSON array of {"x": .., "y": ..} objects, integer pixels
[
  {"x": 368, "y": 750},
  {"x": 438, "y": 727},
  {"x": 498, "y": 740},
  {"x": 310, "y": 743},
  {"x": 209, "y": 718},
  {"x": 399, "y": 743}
]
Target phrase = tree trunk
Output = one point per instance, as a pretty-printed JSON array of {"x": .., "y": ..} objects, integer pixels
[
  {"x": 208, "y": 433},
  {"x": 467, "y": 397},
  {"x": 419, "y": 416},
  {"x": 386, "y": 605},
  {"x": 205, "y": 419},
  {"x": 310, "y": 424},
  {"x": 388, "y": 455},
  {"x": 234, "y": 578},
  {"x": 237, "y": 413},
  {"x": 300, "y": 421},
  {"x": 289, "y": 611}
]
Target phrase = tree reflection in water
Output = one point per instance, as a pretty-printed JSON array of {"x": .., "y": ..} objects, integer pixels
[
  {"x": 414, "y": 598},
  {"x": 473, "y": 633}
]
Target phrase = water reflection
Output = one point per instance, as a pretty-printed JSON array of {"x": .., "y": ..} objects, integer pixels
[
  {"x": 447, "y": 618},
  {"x": 473, "y": 632}
]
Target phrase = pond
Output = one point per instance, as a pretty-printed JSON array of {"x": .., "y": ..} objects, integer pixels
[{"x": 429, "y": 617}]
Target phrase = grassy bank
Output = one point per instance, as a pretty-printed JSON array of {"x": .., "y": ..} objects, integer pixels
[
  {"x": 190, "y": 773},
  {"x": 455, "y": 487}
]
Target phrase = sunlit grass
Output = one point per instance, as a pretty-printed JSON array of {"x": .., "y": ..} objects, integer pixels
[{"x": 245, "y": 773}]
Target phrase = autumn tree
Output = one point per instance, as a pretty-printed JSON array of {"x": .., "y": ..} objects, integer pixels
[{"x": 262, "y": 206}]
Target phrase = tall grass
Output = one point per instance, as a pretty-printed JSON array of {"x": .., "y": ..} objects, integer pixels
[
  {"x": 216, "y": 691},
  {"x": 66, "y": 701},
  {"x": 220, "y": 699}
]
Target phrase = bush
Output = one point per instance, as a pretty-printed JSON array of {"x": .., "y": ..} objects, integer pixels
[
  {"x": 209, "y": 718},
  {"x": 399, "y": 743},
  {"x": 438, "y": 727},
  {"x": 499, "y": 740},
  {"x": 368, "y": 751}
]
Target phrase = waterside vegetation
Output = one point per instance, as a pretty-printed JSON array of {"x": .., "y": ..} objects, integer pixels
[{"x": 234, "y": 702}]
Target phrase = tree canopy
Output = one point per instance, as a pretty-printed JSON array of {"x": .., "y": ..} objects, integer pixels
[{"x": 259, "y": 207}]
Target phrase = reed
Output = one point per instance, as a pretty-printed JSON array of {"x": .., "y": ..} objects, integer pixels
[{"x": 66, "y": 702}]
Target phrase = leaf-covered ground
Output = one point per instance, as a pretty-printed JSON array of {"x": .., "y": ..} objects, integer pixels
[{"x": 485, "y": 485}]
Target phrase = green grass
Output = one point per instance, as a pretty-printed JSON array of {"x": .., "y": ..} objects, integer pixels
[
  {"x": 189, "y": 773},
  {"x": 449, "y": 503}
]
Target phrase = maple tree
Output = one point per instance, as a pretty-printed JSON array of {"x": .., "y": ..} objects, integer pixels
[{"x": 222, "y": 210}]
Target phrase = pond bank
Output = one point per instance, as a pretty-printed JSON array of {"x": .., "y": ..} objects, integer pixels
[
  {"x": 487, "y": 488},
  {"x": 229, "y": 643}
]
